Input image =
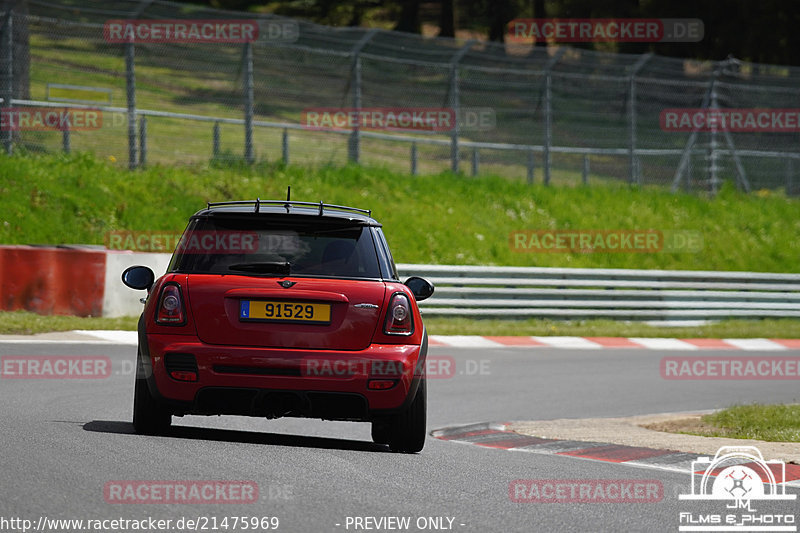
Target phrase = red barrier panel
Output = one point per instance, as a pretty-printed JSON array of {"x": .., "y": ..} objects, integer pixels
[{"x": 48, "y": 280}]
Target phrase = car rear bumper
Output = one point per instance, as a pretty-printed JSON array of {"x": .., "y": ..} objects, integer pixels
[{"x": 273, "y": 382}]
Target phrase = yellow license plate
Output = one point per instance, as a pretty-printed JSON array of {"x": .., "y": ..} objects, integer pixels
[{"x": 283, "y": 311}]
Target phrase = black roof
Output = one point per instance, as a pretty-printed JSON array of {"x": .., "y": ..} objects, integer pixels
[{"x": 290, "y": 208}]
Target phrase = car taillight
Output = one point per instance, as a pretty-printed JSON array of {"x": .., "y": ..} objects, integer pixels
[
  {"x": 381, "y": 384},
  {"x": 399, "y": 320},
  {"x": 170, "y": 306}
]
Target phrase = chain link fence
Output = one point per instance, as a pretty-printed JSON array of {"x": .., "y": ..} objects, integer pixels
[{"x": 561, "y": 115}]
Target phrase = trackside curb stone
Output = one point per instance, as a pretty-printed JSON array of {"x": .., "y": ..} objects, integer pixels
[{"x": 498, "y": 436}]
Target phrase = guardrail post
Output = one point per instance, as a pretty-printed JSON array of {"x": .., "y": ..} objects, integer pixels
[
  {"x": 142, "y": 142},
  {"x": 7, "y": 44},
  {"x": 634, "y": 175},
  {"x": 285, "y": 146},
  {"x": 354, "y": 141},
  {"x": 585, "y": 175},
  {"x": 475, "y": 158},
  {"x": 130, "y": 92},
  {"x": 66, "y": 143},
  {"x": 248, "y": 103},
  {"x": 215, "y": 141},
  {"x": 531, "y": 167},
  {"x": 413, "y": 159},
  {"x": 455, "y": 103}
]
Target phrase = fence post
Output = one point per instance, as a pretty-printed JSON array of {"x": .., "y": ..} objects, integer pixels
[
  {"x": 354, "y": 148},
  {"x": 531, "y": 167},
  {"x": 789, "y": 176},
  {"x": 689, "y": 175},
  {"x": 215, "y": 141},
  {"x": 285, "y": 146},
  {"x": 65, "y": 134},
  {"x": 633, "y": 172},
  {"x": 585, "y": 175},
  {"x": 548, "y": 129},
  {"x": 413, "y": 159},
  {"x": 130, "y": 90},
  {"x": 548, "y": 112},
  {"x": 142, "y": 142},
  {"x": 455, "y": 103},
  {"x": 710, "y": 101},
  {"x": 684, "y": 163},
  {"x": 354, "y": 141},
  {"x": 713, "y": 147},
  {"x": 475, "y": 157},
  {"x": 8, "y": 71},
  {"x": 248, "y": 103}
]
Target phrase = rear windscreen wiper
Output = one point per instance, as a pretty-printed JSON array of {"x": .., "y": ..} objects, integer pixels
[{"x": 263, "y": 268}]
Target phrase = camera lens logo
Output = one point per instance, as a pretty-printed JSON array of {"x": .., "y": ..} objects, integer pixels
[
  {"x": 738, "y": 482},
  {"x": 729, "y": 483},
  {"x": 737, "y": 473}
]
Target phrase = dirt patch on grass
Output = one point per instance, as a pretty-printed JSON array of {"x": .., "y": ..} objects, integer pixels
[
  {"x": 693, "y": 425},
  {"x": 653, "y": 431}
]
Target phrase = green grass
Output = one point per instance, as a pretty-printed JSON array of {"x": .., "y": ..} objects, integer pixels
[
  {"x": 25, "y": 323},
  {"x": 774, "y": 423},
  {"x": 433, "y": 219},
  {"x": 430, "y": 219}
]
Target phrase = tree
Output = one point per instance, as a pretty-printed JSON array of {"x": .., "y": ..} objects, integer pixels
[
  {"x": 409, "y": 20},
  {"x": 499, "y": 14},
  {"x": 539, "y": 13},
  {"x": 447, "y": 19}
]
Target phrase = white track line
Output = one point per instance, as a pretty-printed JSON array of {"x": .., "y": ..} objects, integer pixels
[
  {"x": 663, "y": 344},
  {"x": 755, "y": 344},
  {"x": 117, "y": 337},
  {"x": 569, "y": 342},
  {"x": 466, "y": 341}
]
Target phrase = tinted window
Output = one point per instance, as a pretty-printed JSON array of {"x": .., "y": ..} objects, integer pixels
[{"x": 214, "y": 245}]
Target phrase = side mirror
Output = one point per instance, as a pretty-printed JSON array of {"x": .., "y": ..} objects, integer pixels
[
  {"x": 138, "y": 277},
  {"x": 420, "y": 287}
]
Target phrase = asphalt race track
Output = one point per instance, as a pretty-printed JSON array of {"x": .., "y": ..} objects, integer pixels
[{"x": 64, "y": 440}]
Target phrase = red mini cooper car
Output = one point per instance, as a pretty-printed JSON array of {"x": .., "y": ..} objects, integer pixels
[{"x": 283, "y": 308}]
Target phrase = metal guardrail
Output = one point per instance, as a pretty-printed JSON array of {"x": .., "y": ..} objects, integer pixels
[{"x": 530, "y": 292}]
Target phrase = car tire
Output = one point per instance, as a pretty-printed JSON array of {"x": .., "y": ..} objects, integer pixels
[
  {"x": 149, "y": 417},
  {"x": 381, "y": 432},
  {"x": 408, "y": 429}
]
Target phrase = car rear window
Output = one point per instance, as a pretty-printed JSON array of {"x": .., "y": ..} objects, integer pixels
[{"x": 229, "y": 245}]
